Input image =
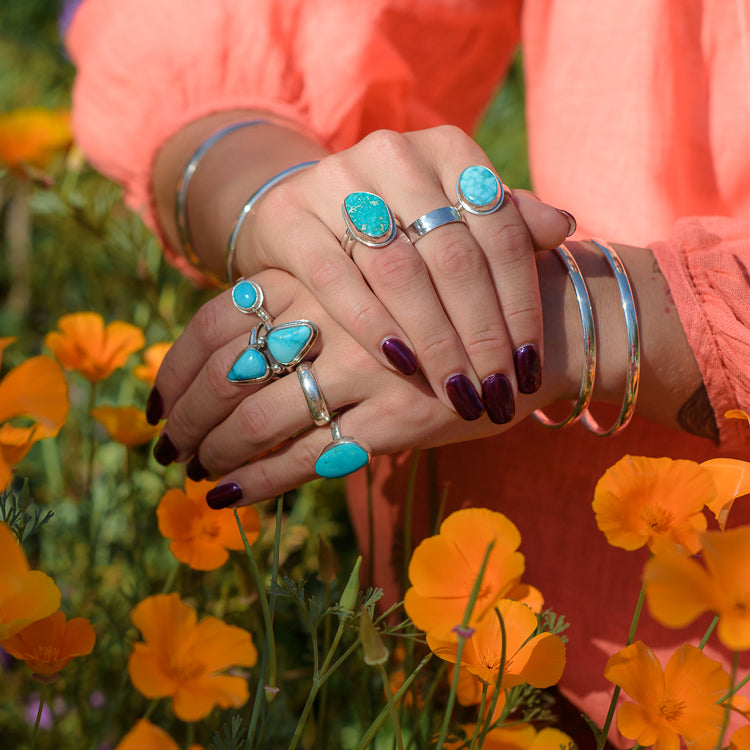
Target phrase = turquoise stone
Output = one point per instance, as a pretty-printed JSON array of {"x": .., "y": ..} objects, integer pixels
[
  {"x": 478, "y": 186},
  {"x": 245, "y": 295},
  {"x": 340, "y": 458},
  {"x": 250, "y": 366},
  {"x": 368, "y": 214},
  {"x": 288, "y": 342}
]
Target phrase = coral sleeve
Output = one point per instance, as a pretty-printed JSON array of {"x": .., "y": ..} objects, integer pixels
[
  {"x": 338, "y": 68},
  {"x": 706, "y": 263}
]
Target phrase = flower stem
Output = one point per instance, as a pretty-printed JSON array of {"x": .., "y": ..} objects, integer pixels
[
  {"x": 499, "y": 682},
  {"x": 35, "y": 732},
  {"x": 728, "y": 706},
  {"x": 408, "y": 510},
  {"x": 709, "y": 630},
  {"x": 392, "y": 707},
  {"x": 480, "y": 713}
]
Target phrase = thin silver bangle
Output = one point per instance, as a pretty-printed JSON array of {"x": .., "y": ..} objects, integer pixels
[
  {"x": 633, "y": 372},
  {"x": 183, "y": 184},
  {"x": 589, "y": 343},
  {"x": 248, "y": 207}
]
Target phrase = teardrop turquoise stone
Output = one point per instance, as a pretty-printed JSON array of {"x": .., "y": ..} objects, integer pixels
[
  {"x": 287, "y": 342},
  {"x": 250, "y": 366},
  {"x": 340, "y": 459},
  {"x": 368, "y": 214},
  {"x": 244, "y": 295}
]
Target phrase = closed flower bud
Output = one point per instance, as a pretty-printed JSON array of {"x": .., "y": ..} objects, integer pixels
[
  {"x": 372, "y": 644},
  {"x": 349, "y": 597}
]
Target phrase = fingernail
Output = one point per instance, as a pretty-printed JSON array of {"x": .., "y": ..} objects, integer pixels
[
  {"x": 224, "y": 495},
  {"x": 195, "y": 469},
  {"x": 528, "y": 369},
  {"x": 164, "y": 450},
  {"x": 464, "y": 397},
  {"x": 497, "y": 394},
  {"x": 572, "y": 223},
  {"x": 400, "y": 356},
  {"x": 154, "y": 407}
]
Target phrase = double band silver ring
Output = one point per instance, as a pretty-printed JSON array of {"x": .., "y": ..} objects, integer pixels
[
  {"x": 316, "y": 402},
  {"x": 368, "y": 220}
]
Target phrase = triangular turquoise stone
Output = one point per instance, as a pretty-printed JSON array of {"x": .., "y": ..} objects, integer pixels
[
  {"x": 250, "y": 367},
  {"x": 288, "y": 342},
  {"x": 341, "y": 458}
]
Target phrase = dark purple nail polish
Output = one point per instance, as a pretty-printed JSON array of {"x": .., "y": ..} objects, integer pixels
[
  {"x": 497, "y": 394},
  {"x": 195, "y": 469},
  {"x": 154, "y": 407},
  {"x": 164, "y": 450},
  {"x": 464, "y": 397},
  {"x": 400, "y": 356},
  {"x": 528, "y": 368},
  {"x": 224, "y": 495},
  {"x": 572, "y": 223}
]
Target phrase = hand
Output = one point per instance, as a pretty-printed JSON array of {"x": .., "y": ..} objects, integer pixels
[
  {"x": 462, "y": 303},
  {"x": 259, "y": 437}
]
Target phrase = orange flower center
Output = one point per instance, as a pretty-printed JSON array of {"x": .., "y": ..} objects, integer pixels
[
  {"x": 671, "y": 709},
  {"x": 187, "y": 670},
  {"x": 658, "y": 519},
  {"x": 46, "y": 653},
  {"x": 210, "y": 530}
]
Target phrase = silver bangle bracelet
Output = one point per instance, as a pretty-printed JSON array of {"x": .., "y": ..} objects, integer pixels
[
  {"x": 589, "y": 343},
  {"x": 248, "y": 207},
  {"x": 633, "y": 372},
  {"x": 183, "y": 184}
]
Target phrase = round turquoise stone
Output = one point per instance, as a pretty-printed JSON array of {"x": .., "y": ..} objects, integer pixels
[
  {"x": 478, "y": 186},
  {"x": 245, "y": 295},
  {"x": 341, "y": 458},
  {"x": 368, "y": 214},
  {"x": 250, "y": 366}
]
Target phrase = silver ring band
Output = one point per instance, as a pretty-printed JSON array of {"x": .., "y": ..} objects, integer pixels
[
  {"x": 432, "y": 220},
  {"x": 589, "y": 343},
  {"x": 316, "y": 403}
]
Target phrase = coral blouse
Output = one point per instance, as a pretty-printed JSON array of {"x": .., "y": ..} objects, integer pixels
[{"x": 638, "y": 123}]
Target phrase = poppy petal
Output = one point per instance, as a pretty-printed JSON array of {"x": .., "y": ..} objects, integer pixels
[
  {"x": 149, "y": 673},
  {"x": 218, "y": 645},
  {"x": 146, "y": 736},
  {"x": 638, "y": 672},
  {"x": 732, "y": 479},
  {"x": 165, "y": 621},
  {"x": 193, "y": 701},
  {"x": 541, "y": 661},
  {"x": 36, "y": 388}
]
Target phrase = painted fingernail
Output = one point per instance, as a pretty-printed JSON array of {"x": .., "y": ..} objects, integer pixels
[
  {"x": 528, "y": 368},
  {"x": 497, "y": 394},
  {"x": 572, "y": 223},
  {"x": 195, "y": 469},
  {"x": 400, "y": 356},
  {"x": 165, "y": 451},
  {"x": 154, "y": 407},
  {"x": 224, "y": 495},
  {"x": 464, "y": 397}
]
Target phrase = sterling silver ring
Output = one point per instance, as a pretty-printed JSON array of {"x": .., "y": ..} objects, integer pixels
[
  {"x": 368, "y": 220},
  {"x": 316, "y": 402},
  {"x": 432, "y": 220}
]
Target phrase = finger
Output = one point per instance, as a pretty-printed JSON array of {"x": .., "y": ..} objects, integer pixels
[{"x": 548, "y": 226}]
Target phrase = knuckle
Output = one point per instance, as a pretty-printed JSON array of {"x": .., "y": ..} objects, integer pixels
[
  {"x": 387, "y": 144},
  {"x": 327, "y": 274},
  {"x": 182, "y": 430},
  {"x": 215, "y": 373},
  {"x": 455, "y": 257},
  {"x": 363, "y": 316},
  {"x": 397, "y": 269},
  {"x": 436, "y": 346},
  {"x": 484, "y": 340},
  {"x": 254, "y": 418},
  {"x": 513, "y": 238}
]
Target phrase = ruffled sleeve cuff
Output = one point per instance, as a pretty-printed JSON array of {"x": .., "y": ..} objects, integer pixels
[{"x": 706, "y": 263}]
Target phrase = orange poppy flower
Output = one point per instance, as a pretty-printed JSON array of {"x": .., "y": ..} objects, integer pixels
[
  {"x": 152, "y": 359},
  {"x": 732, "y": 480},
  {"x": 36, "y": 389},
  {"x": 537, "y": 660},
  {"x": 654, "y": 501},
  {"x": 444, "y": 568},
  {"x": 201, "y": 536},
  {"x": 147, "y": 736},
  {"x": 740, "y": 739},
  {"x": 520, "y": 736},
  {"x": 25, "y": 595},
  {"x": 126, "y": 424},
  {"x": 678, "y": 701},
  {"x": 182, "y": 658},
  {"x": 48, "y": 645},
  {"x": 32, "y": 136},
  {"x": 85, "y": 345},
  {"x": 680, "y": 588}
]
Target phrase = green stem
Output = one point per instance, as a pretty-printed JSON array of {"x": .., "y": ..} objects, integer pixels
[
  {"x": 91, "y": 441},
  {"x": 392, "y": 707},
  {"x": 602, "y": 738},
  {"x": 35, "y": 732},
  {"x": 499, "y": 682},
  {"x": 709, "y": 630},
  {"x": 408, "y": 510},
  {"x": 480, "y": 713},
  {"x": 728, "y": 706},
  {"x": 735, "y": 688},
  {"x": 167, "y": 587}
]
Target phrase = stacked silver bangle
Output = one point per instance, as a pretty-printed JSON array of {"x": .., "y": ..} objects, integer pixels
[{"x": 581, "y": 407}]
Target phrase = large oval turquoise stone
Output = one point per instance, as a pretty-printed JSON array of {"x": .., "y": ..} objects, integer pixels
[
  {"x": 340, "y": 459},
  {"x": 244, "y": 295},
  {"x": 288, "y": 342},
  {"x": 368, "y": 214},
  {"x": 479, "y": 186},
  {"x": 250, "y": 366}
]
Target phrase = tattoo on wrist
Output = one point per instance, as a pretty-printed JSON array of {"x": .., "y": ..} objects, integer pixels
[{"x": 697, "y": 417}]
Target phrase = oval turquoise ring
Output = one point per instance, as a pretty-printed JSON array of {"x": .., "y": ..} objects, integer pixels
[
  {"x": 369, "y": 221},
  {"x": 479, "y": 190},
  {"x": 342, "y": 456},
  {"x": 247, "y": 297}
]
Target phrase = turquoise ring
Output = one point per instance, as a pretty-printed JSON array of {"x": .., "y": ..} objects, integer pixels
[
  {"x": 479, "y": 190},
  {"x": 247, "y": 297},
  {"x": 368, "y": 220},
  {"x": 342, "y": 456}
]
